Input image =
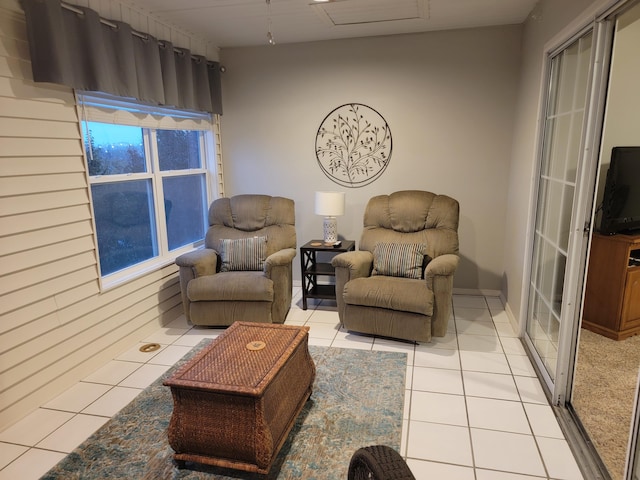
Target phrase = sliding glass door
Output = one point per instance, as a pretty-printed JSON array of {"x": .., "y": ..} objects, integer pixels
[
  {"x": 560, "y": 163},
  {"x": 579, "y": 125},
  {"x": 605, "y": 378}
]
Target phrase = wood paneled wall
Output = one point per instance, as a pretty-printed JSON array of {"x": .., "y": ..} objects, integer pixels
[{"x": 56, "y": 326}]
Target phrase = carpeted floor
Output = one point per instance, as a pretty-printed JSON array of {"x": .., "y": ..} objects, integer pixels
[
  {"x": 357, "y": 400},
  {"x": 604, "y": 394}
]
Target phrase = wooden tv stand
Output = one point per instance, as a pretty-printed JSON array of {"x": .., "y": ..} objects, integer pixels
[{"x": 612, "y": 299}]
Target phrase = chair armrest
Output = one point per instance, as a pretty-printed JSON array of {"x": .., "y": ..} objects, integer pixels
[
  {"x": 357, "y": 263},
  {"x": 201, "y": 262},
  {"x": 350, "y": 265},
  {"x": 279, "y": 258},
  {"x": 279, "y": 269},
  {"x": 439, "y": 278},
  {"x": 442, "y": 265},
  {"x": 191, "y": 265}
]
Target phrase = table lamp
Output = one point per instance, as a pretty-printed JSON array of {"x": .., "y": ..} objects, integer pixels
[{"x": 330, "y": 205}]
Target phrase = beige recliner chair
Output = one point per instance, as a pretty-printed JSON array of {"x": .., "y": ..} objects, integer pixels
[
  {"x": 245, "y": 270},
  {"x": 400, "y": 281}
]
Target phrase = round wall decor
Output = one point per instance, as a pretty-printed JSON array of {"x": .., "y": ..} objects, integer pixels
[{"x": 353, "y": 145}]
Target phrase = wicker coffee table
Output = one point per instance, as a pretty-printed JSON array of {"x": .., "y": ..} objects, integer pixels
[{"x": 236, "y": 401}]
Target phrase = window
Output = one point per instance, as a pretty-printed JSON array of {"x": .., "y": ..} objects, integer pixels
[{"x": 149, "y": 184}]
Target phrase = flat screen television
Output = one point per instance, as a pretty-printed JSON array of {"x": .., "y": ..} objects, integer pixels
[{"x": 621, "y": 200}]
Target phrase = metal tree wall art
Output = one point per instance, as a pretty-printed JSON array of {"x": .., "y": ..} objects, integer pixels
[{"x": 353, "y": 145}]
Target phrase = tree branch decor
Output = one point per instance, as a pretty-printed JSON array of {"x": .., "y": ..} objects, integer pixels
[{"x": 353, "y": 145}]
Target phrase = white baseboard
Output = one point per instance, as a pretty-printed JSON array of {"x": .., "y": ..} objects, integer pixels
[
  {"x": 477, "y": 291},
  {"x": 493, "y": 293},
  {"x": 513, "y": 320}
]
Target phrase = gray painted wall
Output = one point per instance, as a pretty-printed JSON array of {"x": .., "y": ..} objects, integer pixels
[{"x": 449, "y": 98}]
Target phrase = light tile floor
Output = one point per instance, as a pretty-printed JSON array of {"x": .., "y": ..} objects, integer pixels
[{"x": 474, "y": 409}]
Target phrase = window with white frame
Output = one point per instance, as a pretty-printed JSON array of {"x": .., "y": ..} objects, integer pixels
[{"x": 150, "y": 174}]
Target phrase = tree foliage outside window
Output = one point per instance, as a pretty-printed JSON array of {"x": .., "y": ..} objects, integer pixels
[
  {"x": 125, "y": 223},
  {"x": 114, "y": 149},
  {"x": 149, "y": 191},
  {"x": 178, "y": 150}
]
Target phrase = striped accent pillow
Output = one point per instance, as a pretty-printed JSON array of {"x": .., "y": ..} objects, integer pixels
[
  {"x": 399, "y": 259},
  {"x": 243, "y": 253}
]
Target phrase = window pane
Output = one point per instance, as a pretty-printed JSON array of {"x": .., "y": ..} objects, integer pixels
[
  {"x": 125, "y": 223},
  {"x": 185, "y": 209},
  {"x": 113, "y": 149},
  {"x": 178, "y": 149},
  {"x": 556, "y": 299}
]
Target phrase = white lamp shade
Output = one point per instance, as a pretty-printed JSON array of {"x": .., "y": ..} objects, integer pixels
[{"x": 330, "y": 204}]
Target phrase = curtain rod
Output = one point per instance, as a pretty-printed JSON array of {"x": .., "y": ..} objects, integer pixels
[{"x": 106, "y": 22}]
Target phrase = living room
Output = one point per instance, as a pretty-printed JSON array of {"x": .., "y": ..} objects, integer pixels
[{"x": 463, "y": 108}]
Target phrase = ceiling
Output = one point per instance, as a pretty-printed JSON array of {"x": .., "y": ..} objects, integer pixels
[{"x": 239, "y": 23}]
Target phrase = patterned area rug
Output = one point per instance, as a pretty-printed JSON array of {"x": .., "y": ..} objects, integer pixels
[{"x": 357, "y": 400}]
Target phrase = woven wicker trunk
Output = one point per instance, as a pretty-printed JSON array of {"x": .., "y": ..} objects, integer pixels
[{"x": 236, "y": 401}]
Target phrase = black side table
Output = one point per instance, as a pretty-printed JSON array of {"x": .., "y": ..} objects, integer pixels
[{"x": 312, "y": 269}]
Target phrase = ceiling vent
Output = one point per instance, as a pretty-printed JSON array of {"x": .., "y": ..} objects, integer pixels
[{"x": 353, "y": 12}]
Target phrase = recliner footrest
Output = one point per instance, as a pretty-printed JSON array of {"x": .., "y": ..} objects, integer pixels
[
  {"x": 393, "y": 293},
  {"x": 231, "y": 286}
]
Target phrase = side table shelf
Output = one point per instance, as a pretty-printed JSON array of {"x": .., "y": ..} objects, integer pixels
[{"x": 312, "y": 269}]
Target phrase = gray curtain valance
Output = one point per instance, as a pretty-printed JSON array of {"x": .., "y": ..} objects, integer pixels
[{"x": 75, "y": 47}]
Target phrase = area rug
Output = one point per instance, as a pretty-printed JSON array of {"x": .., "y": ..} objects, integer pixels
[{"x": 357, "y": 400}]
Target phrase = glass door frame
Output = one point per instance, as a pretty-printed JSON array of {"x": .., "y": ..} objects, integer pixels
[
  {"x": 581, "y": 215},
  {"x": 633, "y": 461},
  {"x": 584, "y": 210}
]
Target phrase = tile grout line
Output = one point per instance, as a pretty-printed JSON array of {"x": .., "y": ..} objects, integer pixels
[{"x": 410, "y": 390}]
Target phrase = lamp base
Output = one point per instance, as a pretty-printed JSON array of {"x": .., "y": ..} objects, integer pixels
[{"x": 330, "y": 229}]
